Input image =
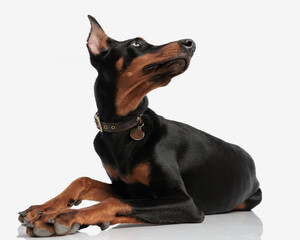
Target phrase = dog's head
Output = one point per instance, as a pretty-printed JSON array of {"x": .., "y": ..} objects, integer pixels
[{"x": 130, "y": 69}]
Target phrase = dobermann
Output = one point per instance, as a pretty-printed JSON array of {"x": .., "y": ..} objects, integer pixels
[{"x": 162, "y": 171}]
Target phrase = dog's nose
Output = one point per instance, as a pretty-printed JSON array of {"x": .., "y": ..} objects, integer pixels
[{"x": 188, "y": 44}]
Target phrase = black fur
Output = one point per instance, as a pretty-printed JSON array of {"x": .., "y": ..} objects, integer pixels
[{"x": 192, "y": 172}]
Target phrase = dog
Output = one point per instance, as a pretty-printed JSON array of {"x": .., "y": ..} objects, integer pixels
[{"x": 161, "y": 171}]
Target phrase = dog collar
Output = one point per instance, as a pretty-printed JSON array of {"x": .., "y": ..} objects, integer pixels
[{"x": 118, "y": 126}]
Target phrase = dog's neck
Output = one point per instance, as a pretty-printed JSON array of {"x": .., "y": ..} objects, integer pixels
[
  {"x": 109, "y": 116},
  {"x": 107, "y": 110}
]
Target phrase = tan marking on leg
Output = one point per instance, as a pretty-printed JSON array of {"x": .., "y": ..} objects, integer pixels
[
  {"x": 83, "y": 188},
  {"x": 111, "y": 210},
  {"x": 125, "y": 220},
  {"x": 242, "y": 206},
  {"x": 98, "y": 191},
  {"x": 141, "y": 174}
]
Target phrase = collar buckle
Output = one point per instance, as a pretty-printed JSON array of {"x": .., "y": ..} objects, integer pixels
[{"x": 98, "y": 122}]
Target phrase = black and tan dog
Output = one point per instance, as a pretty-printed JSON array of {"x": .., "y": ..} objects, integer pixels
[{"x": 162, "y": 171}]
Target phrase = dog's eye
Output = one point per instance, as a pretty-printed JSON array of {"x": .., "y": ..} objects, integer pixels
[{"x": 136, "y": 43}]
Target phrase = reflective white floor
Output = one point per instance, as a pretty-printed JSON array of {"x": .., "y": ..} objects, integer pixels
[{"x": 234, "y": 226}]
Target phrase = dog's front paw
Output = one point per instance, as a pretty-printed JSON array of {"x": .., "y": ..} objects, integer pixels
[
  {"x": 30, "y": 213},
  {"x": 51, "y": 206},
  {"x": 53, "y": 224}
]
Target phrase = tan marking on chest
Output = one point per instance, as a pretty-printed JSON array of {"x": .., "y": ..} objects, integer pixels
[
  {"x": 140, "y": 174},
  {"x": 110, "y": 171}
]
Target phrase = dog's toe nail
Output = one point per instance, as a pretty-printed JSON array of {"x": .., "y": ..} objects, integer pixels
[
  {"x": 51, "y": 221},
  {"x": 71, "y": 202},
  {"x": 29, "y": 232},
  {"x": 41, "y": 232},
  {"x": 23, "y": 213},
  {"x": 60, "y": 229},
  {"x": 104, "y": 225},
  {"x": 24, "y": 224},
  {"x": 30, "y": 225},
  {"x": 21, "y": 219},
  {"x": 25, "y": 221},
  {"x": 75, "y": 227},
  {"x": 39, "y": 213}
]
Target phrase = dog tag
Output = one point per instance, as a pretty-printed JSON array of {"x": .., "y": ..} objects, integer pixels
[{"x": 137, "y": 133}]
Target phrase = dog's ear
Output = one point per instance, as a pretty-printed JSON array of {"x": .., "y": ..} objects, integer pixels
[{"x": 97, "y": 40}]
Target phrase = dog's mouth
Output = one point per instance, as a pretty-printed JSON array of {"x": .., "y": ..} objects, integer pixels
[{"x": 170, "y": 68}]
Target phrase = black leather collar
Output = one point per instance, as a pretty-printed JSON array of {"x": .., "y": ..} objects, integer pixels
[{"x": 117, "y": 126}]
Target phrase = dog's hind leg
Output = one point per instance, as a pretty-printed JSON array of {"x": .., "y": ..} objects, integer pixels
[
  {"x": 251, "y": 202},
  {"x": 83, "y": 188}
]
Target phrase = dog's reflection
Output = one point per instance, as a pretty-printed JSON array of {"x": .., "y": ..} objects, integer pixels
[{"x": 234, "y": 226}]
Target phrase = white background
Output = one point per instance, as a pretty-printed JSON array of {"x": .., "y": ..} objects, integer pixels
[{"x": 242, "y": 86}]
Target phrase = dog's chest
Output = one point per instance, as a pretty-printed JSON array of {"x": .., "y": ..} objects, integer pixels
[{"x": 138, "y": 174}]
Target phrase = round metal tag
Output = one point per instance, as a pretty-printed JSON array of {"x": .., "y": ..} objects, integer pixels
[{"x": 137, "y": 133}]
